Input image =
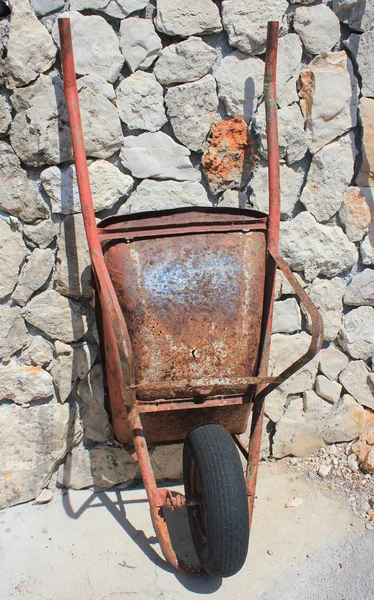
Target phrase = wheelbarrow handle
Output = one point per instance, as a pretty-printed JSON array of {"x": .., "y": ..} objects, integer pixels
[
  {"x": 119, "y": 348},
  {"x": 316, "y": 328}
]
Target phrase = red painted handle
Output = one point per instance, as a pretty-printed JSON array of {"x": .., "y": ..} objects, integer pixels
[
  {"x": 72, "y": 103},
  {"x": 272, "y": 134}
]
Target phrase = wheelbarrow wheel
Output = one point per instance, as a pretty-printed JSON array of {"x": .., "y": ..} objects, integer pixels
[{"x": 219, "y": 524}]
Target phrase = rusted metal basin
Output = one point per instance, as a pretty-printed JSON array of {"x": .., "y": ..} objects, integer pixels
[{"x": 190, "y": 283}]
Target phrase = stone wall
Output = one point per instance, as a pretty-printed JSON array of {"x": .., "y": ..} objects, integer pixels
[{"x": 169, "y": 95}]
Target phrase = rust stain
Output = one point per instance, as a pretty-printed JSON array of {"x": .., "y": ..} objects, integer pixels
[
  {"x": 306, "y": 93},
  {"x": 229, "y": 159},
  {"x": 193, "y": 302}
]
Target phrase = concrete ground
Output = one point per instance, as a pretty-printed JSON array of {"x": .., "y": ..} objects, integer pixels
[{"x": 101, "y": 546}]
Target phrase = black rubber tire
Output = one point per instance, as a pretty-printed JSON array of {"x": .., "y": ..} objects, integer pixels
[{"x": 220, "y": 530}]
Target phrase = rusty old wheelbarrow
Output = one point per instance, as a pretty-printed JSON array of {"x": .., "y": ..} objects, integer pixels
[{"x": 184, "y": 302}]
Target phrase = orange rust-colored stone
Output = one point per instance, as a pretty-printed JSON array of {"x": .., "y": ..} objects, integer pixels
[
  {"x": 355, "y": 213},
  {"x": 306, "y": 92},
  {"x": 229, "y": 159}
]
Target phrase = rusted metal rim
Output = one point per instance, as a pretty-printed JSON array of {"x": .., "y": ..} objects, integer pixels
[
  {"x": 186, "y": 221},
  {"x": 183, "y": 215},
  {"x": 197, "y": 511}
]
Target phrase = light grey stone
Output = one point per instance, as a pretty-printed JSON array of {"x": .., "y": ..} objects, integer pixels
[
  {"x": 13, "y": 333},
  {"x": 291, "y": 135},
  {"x": 362, "y": 50},
  {"x": 96, "y": 47},
  {"x": 50, "y": 86},
  {"x": 108, "y": 185},
  {"x": 324, "y": 471},
  {"x": 233, "y": 199},
  {"x": 40, "y": 134},
  {"x": 332, "y": 361},
  {"x": 41, "y": 234},
  {"x": 139, "y": 43},
  {"x": 246, "y": 23},
  {"x": 303, "y": 2},
  {"x": 33, "y": 275},
  {"x": 44, "y": 497},
  {"x": 356, "y": 212},
  {"x": 191, "y": 109},
  {"x": 278, "y": 285},
  {"x": 327, "y": 389},
  {"x": 140, "y": 102},
  {"x": 291, "y": 183},
  {"x": 327, "y": 296},
  {"x": 176, "y": 17},
  {"x": 58, "y": 317},
  {"x": 101, "y": 124},
  {"x": 318, "y": 27},
  {"x": 358, "y": 14},
  {"x": 43, "y": 7},
  {"x": 167, "y": 461},
  {"x": 101, "y": 466},
  {"x": 157, "y": 156},
  {"x": 357, "y": 333},
  {"x": 287, "y": 316},
  {"x": 5, "y": 117},
  {"x": 240, "y": 83},
  {"x": 314, "y": 248},
  {"x": 41, "y": 436},
  {"x": 329, "y": 98},
  {"x": 95, "y": 419},
  {"x": 18, "y": 195},
  {"x": 346, "y": 422},
  {"x": 267, "y": 429},
  {"x": 12, "y": 254},
  {"x": 161, "y": 195},
  {"x": 275, "y": 404},
  {"x": 72, "y": 363},
  {"x": 299, "y": 432},
  {"x": 30, "y": 47},
  {"x": 360, "y": 291},
  {"x": 328, "y": 179},
  {"x": 287, "y": 289},
  {"x": 288, "y": 68},
  {"x": 99, "y": 85},
  {"x": 187, "y": 61},
  {"x": 285, "y": 350},
  {"x": 356, "y": 380},
  {"x": 73, "y": 263},
  {"x": 367, "y": 249},
  {"x": 23, "y": 385},
  {"x": 120, "y": 9},
  {"x": 38, "y": 353},
  {"x": 365, "y": 175}
]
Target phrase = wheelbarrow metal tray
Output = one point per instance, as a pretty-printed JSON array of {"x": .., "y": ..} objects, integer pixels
[{"x": 190, "y": 283}]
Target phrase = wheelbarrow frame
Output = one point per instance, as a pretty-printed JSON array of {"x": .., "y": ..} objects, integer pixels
[{"x": 126, "y": 410}]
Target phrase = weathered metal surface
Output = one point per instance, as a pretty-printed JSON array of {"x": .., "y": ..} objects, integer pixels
[
  {"x": 171, "y": 499},
  {"x": 274, "y": 260},
  {"x": 174, "y": 425},
  {"x": 200, "y": 389},
  {"x": 193, "y": 303},
  {"x": 272, "y": 244},
  {"x": 181, "y": 311},
  {"x": 151, "y": 489},
  {"x": 117, "y": 342}
]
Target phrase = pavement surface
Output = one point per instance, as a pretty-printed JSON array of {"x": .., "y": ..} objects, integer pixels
[{"x": 101, "y": 546}]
